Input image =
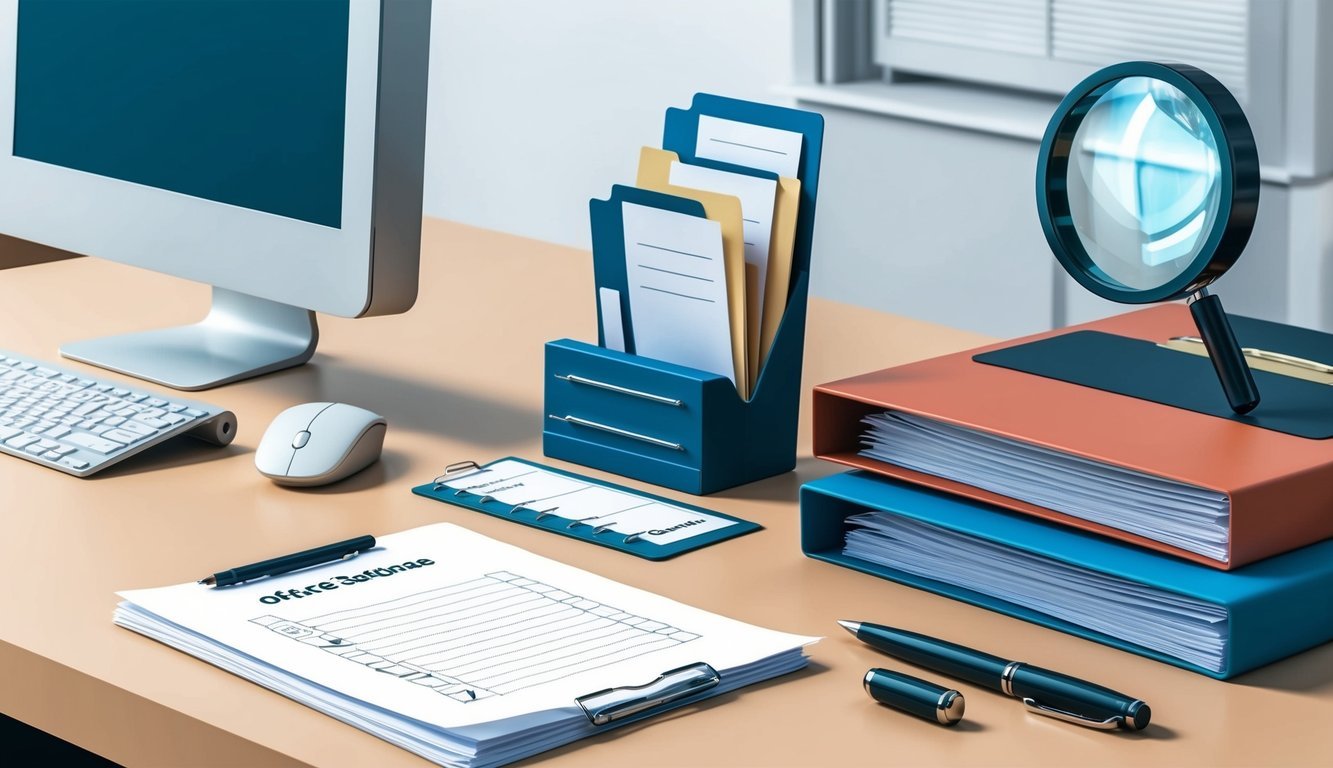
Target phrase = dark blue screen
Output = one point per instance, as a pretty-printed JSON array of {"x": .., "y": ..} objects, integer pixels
[{"x": 236, "y": 101}]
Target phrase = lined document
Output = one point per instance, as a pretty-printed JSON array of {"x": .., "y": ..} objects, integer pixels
[
  {"x": 597, "y": 506},
  {"x": 460, "y": 648},
  {"x": 1182, "y": 515},
  {"x": 678, "y": 290},
  {"x": 750, "y": 145}
]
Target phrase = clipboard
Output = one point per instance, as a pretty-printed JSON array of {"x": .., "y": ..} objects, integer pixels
[{"x": 563, "y": 518}]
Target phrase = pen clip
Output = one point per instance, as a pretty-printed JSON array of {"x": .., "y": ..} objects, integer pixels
[{"x": 1109, "y": 724}]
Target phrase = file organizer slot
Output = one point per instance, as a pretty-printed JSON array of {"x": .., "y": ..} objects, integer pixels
[{"x": 671, "y": 425}]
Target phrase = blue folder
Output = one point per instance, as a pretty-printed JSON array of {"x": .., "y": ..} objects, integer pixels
[{"x": 1276, "y": 607}]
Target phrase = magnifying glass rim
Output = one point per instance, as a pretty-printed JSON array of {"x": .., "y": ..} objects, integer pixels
[{"x": 1238, "y": 175}]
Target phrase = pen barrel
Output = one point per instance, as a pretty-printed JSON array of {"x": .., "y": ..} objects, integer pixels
[
  {"x": 1070, "y": 694},
  {"x": 915, "y": 696},
  {"x": 295, "y": 562},
  {"x": 936, "y": 655}
]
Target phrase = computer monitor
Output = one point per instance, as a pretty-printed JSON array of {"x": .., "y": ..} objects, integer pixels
[{"x": 273, "y": 149}]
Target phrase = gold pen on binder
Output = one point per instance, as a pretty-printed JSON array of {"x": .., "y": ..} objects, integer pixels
[{"x": 1262, "y": 359}]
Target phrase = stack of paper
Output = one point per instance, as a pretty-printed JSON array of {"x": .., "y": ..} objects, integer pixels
[
  {"x": 459, "y": 648},
  {"x": 1182, "y": 515},
  {"x": 1174, "y": 624}
]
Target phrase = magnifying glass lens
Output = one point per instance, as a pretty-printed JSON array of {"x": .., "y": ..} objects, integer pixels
[{"x": 1144, "y": 183}]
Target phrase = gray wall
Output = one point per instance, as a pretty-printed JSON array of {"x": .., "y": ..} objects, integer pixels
[{"x": 537, "y": 106}]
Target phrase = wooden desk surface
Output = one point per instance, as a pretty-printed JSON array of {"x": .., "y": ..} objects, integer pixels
[{"x": 459, "y": 377}]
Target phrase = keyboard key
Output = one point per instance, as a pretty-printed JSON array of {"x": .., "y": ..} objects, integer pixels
[
  {"x": 174, "y": 418},
  {"x": 156, "y": 402},
  {"x": 99, "y": 429},
  {"x": 175, "y": 407},
  {"x": 51, "y": 456},
  {"x": 23, "y": 440},
  {"x": 114, "y": 421},
  {"x": 64, "y": 450},
  {"x": 193, "y": 413},
  {"x": 152, "y": 422},
  {"x": 156, "y": 413},
  {"x": 122, "y": 436},
  {"x": 74, "y": 463},
  {"x": 136, "y": 397},
  {"x": 47, "y": 445},
  {"x": 8, "y": 432},
  {"x": 25, "y": 366},
  {"x": 34, "y": 449},
  {"x": 93, "y": 443},
  {"x": 57, "y": 432},
  {"x": 136, "y": 427},
  {"x": 45, "y": 373}
]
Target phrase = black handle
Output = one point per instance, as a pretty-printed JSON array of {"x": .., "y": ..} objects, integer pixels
[{"x": 1228, "y": 360}]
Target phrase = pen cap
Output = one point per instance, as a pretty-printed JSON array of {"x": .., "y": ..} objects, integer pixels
[
  {"x": 1070, "y": 694},
  {"x": 914, "y": 695}
]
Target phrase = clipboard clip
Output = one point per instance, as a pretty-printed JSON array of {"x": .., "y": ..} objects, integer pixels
[
  {"x": 671, "y": 687},
  {"x": 455, "y": 470}
]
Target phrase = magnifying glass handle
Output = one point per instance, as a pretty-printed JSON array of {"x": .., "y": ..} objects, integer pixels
[{"x": 1229, "y": 362}]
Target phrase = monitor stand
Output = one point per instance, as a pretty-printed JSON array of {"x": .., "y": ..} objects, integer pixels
[{"x": 242, "y": 336}]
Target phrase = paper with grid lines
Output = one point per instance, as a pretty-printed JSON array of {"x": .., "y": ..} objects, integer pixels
[{"x": 484, "y": 632}]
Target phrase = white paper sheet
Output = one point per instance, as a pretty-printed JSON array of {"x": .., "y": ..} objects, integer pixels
[
  {"x": 446, "y": 642},
  {"x": 758, "y": 197},
  {"x": 753, "y": 146},
  {"x": 613, "y": 322},
  {"x": 678, "y": 289},
  {"x": 615, "y": 511}
]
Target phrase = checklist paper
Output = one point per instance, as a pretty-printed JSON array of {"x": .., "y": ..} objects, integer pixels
[
  {"x": 457, "y": 647},
  {"x": 678, "y": 293},
  {"x": 614, "y": 511}
]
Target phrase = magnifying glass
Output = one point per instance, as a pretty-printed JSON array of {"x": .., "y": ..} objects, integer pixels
[{"x": 1147, "y": 187}]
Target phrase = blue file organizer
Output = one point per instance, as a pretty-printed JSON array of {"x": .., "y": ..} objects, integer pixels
[{"x": 681, "y": 427}]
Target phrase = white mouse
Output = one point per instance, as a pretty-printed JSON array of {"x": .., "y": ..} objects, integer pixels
[{"x": 320, "y": 443}]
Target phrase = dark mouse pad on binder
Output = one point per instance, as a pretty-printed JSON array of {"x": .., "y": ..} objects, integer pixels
[{"x": 1144, "y": 370}]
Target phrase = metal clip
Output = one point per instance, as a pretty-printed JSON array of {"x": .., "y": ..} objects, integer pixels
[
  {"x": 571, "y": 378},
  {"x": 671, "y": 687},
  {"x": 617, "y": 431},
  {"x": 1109, "y": 724},
  {"x": 458, "y": 467}
]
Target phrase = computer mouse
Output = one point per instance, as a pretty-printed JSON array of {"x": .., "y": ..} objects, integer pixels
[{"x": 320, "y": 443}]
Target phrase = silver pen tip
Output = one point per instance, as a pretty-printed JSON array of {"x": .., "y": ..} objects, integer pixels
[{"x": 850, "y": 626}]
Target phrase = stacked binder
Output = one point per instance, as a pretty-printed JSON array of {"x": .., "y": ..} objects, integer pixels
[{"x": 1086, "y": 480}]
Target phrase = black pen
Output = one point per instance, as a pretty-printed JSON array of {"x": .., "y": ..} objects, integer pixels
[
  {"x": 288, "y": 563},
  {"x": 1041, "y": 690}
]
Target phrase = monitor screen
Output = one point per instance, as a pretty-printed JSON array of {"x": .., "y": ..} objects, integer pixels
[{"x": 236, "y": 101}]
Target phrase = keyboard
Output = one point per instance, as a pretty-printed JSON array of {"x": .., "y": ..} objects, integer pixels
[{"x": 69, "y": 421}]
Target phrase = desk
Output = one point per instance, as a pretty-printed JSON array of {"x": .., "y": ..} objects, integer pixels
[{"x": 459, "y": 377}]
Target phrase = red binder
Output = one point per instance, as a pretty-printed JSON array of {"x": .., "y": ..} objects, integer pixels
[{"x": 1280, "y": 486}]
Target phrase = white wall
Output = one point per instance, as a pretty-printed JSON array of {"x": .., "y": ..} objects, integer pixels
[{"x": 537, "y": 106}]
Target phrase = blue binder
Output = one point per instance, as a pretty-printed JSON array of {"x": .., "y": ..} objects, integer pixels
[
  {"x": 1276, "y": 607},
  {"x": 667, "y": 424}
]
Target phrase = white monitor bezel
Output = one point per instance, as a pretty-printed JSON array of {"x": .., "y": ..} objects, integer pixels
[{"x": 261, "y": 254}]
